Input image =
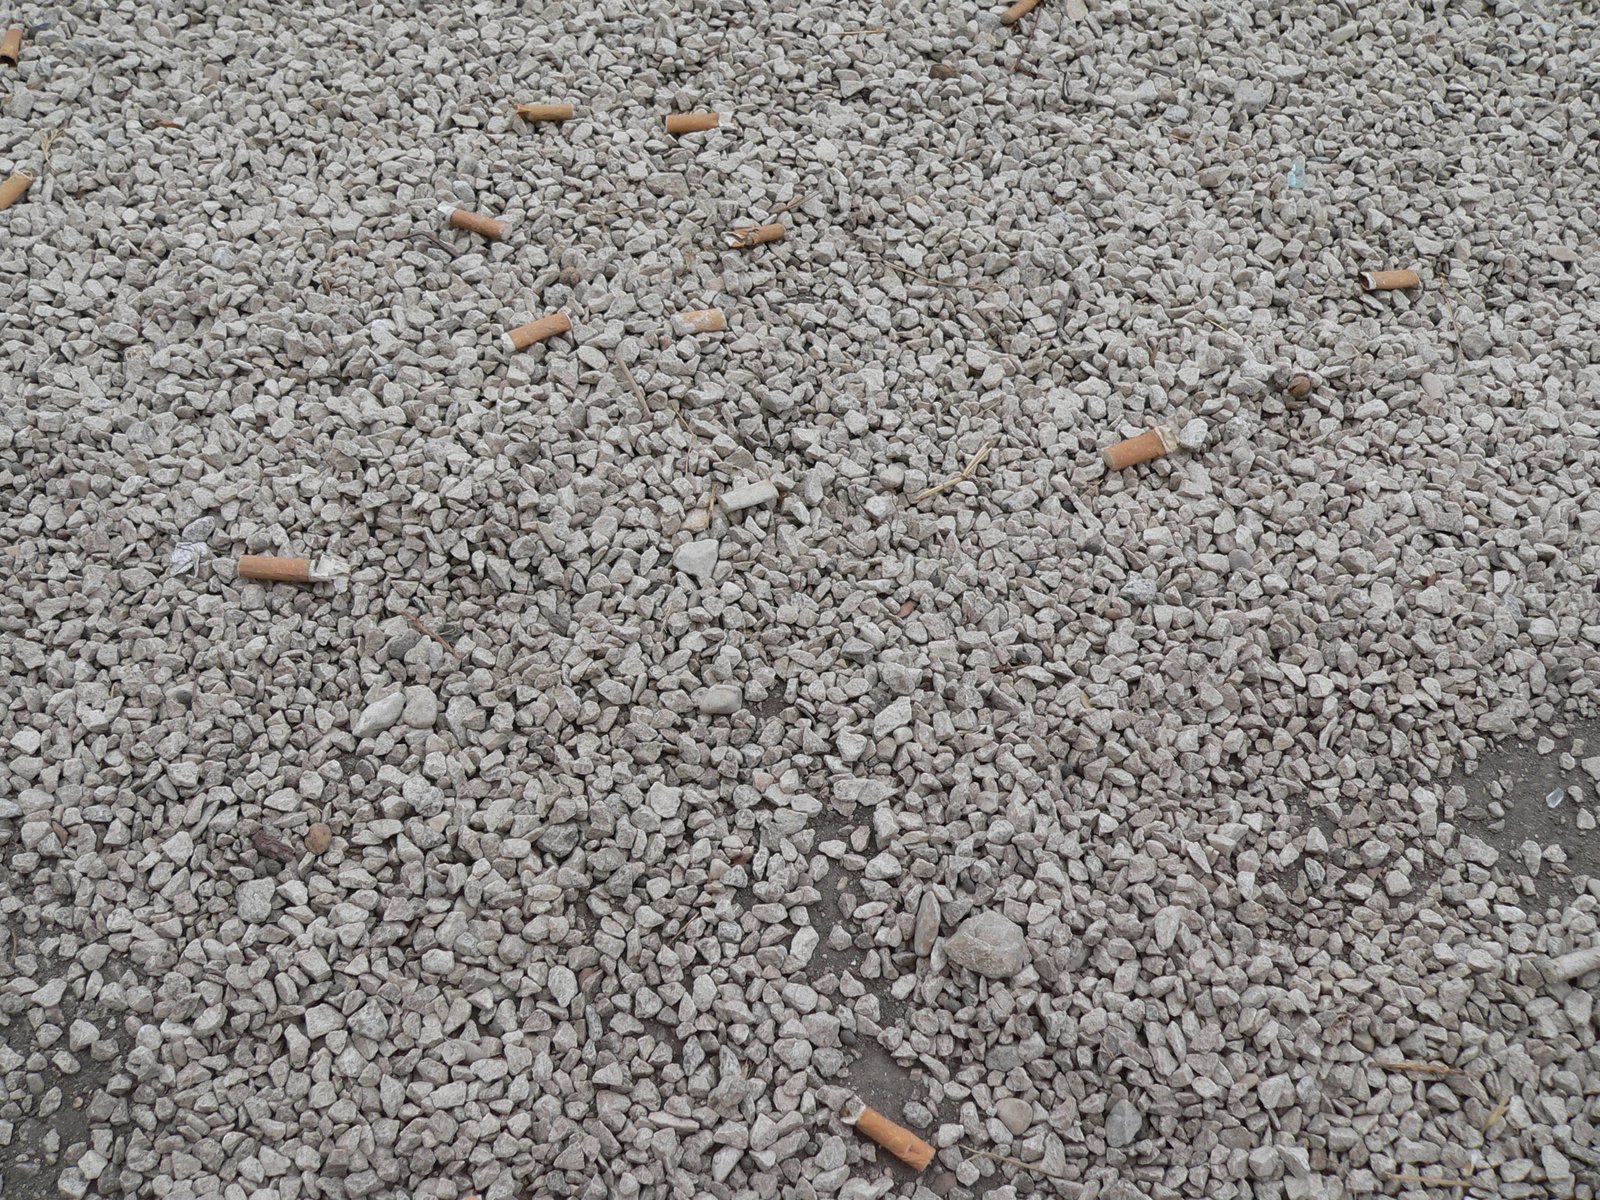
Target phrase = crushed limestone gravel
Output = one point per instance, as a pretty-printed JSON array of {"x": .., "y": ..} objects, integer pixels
[{"x": 664, "y": 767}]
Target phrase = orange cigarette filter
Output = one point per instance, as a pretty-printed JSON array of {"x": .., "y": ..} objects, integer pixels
[
  {"x": 524, "y": 336},
  {"x": 896, "y": 1139},
  {"x": 756, "y": 235},
  {"x": 11, "y": 48},
  {"x": 11, "y": 190},
  {"x": 462, "y": 218},
  {"x": 1017, "y": 11},
  {"x": 702, "y": 320},
  {"x": 545, "y": 112},
  {"x": 1152, "y": 443},
  {"x": 692, "y": 122},
  {"x": 270, "y": 569},
  {"x": 1389, "y": 281}
]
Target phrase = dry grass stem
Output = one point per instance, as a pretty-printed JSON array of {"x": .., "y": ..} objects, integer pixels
[{"x": 966, "y": 473}]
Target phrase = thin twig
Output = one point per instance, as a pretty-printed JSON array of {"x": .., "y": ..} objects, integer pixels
[
  {"x": 421, "y": 628},
  {"x": 1429, "y": 1180},
  {"x": 1500, "y": 1111},
  {"x": 793, "y": 204},
  {"x": 643, "y": 401},
  {"x": 966, "y": 473},
  {"x": 438, "y": 241},
  {"x": 1422, "y": 1068},
  {"x": 917, "y": 275},
  {"x": 1015, "y": 1162}
]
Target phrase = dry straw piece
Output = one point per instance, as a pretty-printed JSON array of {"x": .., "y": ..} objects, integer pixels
[
  {"x": 756, "y": 235},
  {"x": 692, "y": 122},
  {"x": 700, "y": 320},
  {"x": 533, "y": 332},
  {"x": 11, "y": 190},
  {"x": 545, "y": 112},
  {"x": 1389, "y": 281},
  {"x": 1152, "y": 443},
  {"x": 461, "y": 218},
  {"x": 11, "y": 48},
  {"x": 1017, "y": 11},
  {"x": 896, "y": 1139}
]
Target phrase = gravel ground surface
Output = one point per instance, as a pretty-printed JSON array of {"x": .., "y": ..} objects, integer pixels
[{"x": 668, "y": 765}]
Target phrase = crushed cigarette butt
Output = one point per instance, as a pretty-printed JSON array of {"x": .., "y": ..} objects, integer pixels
[
  {"x": 269, "y": 568},
  {"x": 1389, "y": 281},
  {"x": 896, "y": 1139},
  {"x": 1017, "y": 11},
  {"x": 1152, "y": 443},
  {"x": 533, "y": 332},
  {"x": 11, "y": 48},
  {"x": 11, "y": 190},
  {"x": 700, "y": 320},
  {"x": 463, "y": 218},
  {"x": 545, "y": 112},
  {"x": 679, "y": 123},
  {"x": 756, "y": 235}
]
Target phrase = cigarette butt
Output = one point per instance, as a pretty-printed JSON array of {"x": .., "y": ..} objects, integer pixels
[
  {"x": 545, "y": 112},
  {"x": 11, "y": 48},
  {"x": 756, "y": 235},
  {"x": 896, "y": 1139},
  {"x": 700, "y": 320},
  {"x": 524, "y": 336},
  {"x": 1388, "y": 281},
  {"x": 11, "y": 190},
  {"x": 691, "y": 122},
  {"x": 1152, "y": 443},
  {"x": 462, "y": 218},
  {"x": 1017, "y": 11},
  {"x": 1299, "y": 387},
  {"x": 270, "y": 569}
]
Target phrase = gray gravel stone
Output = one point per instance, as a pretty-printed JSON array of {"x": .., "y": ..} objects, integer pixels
[
  {"x": 925, "y": 931},
  {"x": 254, "y": 899},
  {"x": 721, "y": 700},
  {"x": 379, "y": 716},
  {"x": 1123, "y": 1123},
  {"x": 749, "y": 495},
  {"x": 697, "y": 558},
  {"x": 990, "y": 944},
  {"x": 1015, "y": 1115}
]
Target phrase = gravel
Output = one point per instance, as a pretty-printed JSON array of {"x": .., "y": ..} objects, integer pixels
[
  {"x": 673, "y": 757},
  {"x": 990, "y": 944}
]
